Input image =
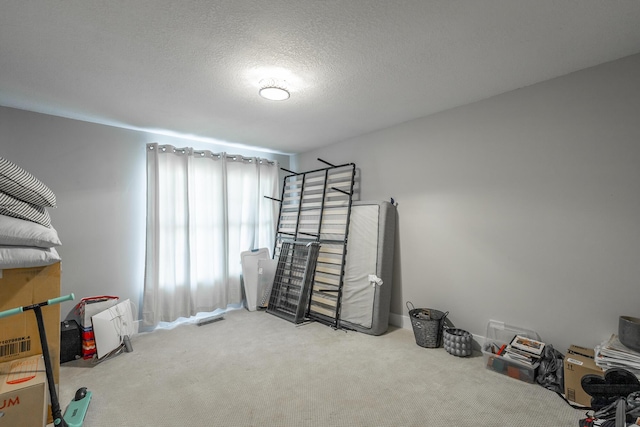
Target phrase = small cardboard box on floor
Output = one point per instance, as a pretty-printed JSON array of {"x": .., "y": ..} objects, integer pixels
[
  {"x": 23, "y": 392},
  {"x": 578, "y": 362}
]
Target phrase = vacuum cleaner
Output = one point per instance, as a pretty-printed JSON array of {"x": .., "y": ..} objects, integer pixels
[{"x": 77, "y": 409}]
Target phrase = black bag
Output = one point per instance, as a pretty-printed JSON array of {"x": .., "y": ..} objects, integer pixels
[{"x": 551, "y": 370}]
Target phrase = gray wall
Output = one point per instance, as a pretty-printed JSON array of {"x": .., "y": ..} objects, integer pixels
[
  {"x": 98, "y": 174},
  {"x": 523, "y": 208}
]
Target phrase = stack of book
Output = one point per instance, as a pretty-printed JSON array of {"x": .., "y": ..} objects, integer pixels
[
  {"x": 524, "y": 350},
  {"x": 613, "y": 354}
]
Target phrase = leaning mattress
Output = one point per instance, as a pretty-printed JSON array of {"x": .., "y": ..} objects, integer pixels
[{"x": 368, "y": 278}]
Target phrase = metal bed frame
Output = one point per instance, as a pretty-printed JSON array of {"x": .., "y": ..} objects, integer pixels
[{"x": 315, "y": 207}]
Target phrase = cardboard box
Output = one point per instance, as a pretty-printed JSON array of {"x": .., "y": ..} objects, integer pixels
[
  {"x": 19, "y": 335},
  {"x": 23, "y": 392},
  {"x": 578, "y": 362}
]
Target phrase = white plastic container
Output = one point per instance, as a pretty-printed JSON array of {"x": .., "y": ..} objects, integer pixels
[
  {"x": 250, "y": 276},
  {"x": 499, "y": 334}
]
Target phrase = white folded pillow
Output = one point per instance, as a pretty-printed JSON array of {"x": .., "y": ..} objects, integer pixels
[
  {"x": 20, "y": 232},
  {"x": 21, "y": 257}
]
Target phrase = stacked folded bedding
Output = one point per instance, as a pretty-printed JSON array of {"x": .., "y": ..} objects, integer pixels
[{"x": 27, "y": 237}]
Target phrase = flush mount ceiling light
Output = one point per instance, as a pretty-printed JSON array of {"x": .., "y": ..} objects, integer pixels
[{"x": 274, "y": 90}]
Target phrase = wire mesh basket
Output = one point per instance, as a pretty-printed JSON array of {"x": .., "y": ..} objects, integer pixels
[{"x": 427, "y": 325}]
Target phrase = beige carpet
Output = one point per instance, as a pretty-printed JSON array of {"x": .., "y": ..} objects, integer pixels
[{"x": 255, "y": 369}]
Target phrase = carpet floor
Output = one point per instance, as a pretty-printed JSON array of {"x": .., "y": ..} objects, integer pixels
[{"x": 255, "y": 369}]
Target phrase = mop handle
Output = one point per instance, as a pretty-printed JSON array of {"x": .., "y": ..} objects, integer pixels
[{"x": 53, "y": 301}]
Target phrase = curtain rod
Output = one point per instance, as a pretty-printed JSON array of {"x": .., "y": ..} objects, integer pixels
[{"x": 207, "y": 153}]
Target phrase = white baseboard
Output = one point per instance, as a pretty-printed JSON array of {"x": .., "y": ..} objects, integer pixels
[{"x": 400, "y": 321}]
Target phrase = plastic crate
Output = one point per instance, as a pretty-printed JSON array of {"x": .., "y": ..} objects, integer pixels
[{"x": 499, "y": 334}]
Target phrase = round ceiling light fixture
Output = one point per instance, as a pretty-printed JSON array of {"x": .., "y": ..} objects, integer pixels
[{"x": 274, "y": 90}]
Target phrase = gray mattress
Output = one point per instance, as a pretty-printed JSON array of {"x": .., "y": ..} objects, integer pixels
[{"x": 366, "y": 292}]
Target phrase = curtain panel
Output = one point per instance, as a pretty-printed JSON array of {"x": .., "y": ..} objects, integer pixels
[{"x": 203, "y": 210}]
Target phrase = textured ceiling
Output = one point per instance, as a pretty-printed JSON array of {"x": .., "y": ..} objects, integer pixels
[{"x": 192, "y": 67}]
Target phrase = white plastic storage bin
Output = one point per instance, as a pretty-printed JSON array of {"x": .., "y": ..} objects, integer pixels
[{"x": 498, "y": 334}]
